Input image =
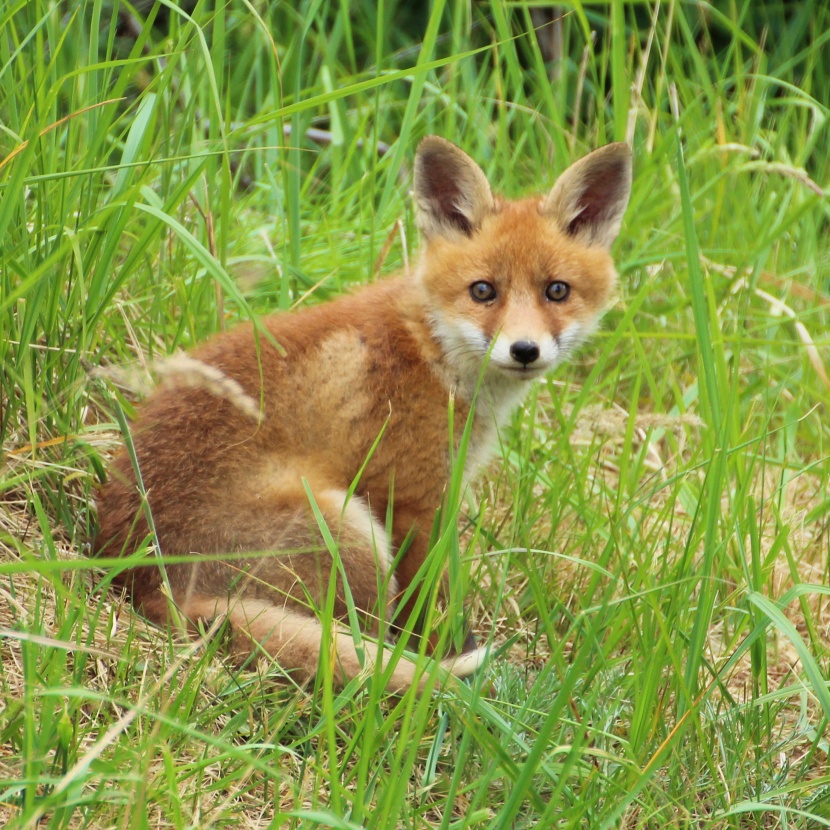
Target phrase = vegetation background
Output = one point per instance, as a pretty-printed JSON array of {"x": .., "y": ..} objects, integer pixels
[{"x": 650, "y": 557}]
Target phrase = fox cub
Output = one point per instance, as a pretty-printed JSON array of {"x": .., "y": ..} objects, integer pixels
[{"x": 240, "y": 457}]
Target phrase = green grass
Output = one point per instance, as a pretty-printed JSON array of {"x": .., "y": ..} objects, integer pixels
[{"x": 650, "y": 560}]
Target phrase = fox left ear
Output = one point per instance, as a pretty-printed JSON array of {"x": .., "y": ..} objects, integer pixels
[
  {"x": 452, "y": 194},
  {"x": 589, "y": 199}
]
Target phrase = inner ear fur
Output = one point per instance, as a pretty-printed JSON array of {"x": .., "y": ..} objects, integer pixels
[
  {"x": 589, "y": 199},
  {"x": 451, "y": 192}
]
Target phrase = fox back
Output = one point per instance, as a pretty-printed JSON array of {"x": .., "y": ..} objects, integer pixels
[{"x": 247, "y": 453}]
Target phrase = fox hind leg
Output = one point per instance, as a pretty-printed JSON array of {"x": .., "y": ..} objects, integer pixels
[
  {"x": 272, "y": 597},
  {"x": 272, "y": 601}
]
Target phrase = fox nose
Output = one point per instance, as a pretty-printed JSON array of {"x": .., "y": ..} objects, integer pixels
[{"x": 524, "y": 351}]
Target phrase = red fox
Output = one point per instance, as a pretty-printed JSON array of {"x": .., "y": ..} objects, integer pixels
[{"x": 503, "y": 292}]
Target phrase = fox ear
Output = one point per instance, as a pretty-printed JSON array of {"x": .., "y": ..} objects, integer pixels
[
  {"x": 589, "y": 199},
  {"x": 451, "y": 191}
]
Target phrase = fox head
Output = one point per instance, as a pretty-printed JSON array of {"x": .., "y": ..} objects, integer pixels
[{"x": 525, "y": 281}]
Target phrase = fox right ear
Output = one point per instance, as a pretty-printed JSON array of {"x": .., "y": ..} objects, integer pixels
[
  {"x": 589, "y": 199},
  {"x": 452, "y": 194}
]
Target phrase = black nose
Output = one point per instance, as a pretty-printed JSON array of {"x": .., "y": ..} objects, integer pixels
[{"x": 524, "y": 351}]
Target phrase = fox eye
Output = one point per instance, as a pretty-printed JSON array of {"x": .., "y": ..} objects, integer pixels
[
  {"x": 482, "y": 291},
  {"x": 558, "y": 291}
]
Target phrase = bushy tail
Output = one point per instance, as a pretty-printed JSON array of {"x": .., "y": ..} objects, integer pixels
[{"x": 294, "y": 639}]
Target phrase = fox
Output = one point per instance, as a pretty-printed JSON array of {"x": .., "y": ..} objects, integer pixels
[{"x": 333, "y": 419}]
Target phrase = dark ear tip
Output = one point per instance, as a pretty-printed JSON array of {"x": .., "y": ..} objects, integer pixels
[
  {"x": 618, "y": 151},
  {"x": 621, "y": 148},
  {"x": 432, "y": 143},
  {"x": 615, "y": 160}
]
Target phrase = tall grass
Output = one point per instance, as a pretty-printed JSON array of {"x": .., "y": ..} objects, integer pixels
[{"x": 650, "y": 559}]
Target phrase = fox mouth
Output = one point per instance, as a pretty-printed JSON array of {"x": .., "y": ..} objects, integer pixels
[{"x": 529, "y": 372}]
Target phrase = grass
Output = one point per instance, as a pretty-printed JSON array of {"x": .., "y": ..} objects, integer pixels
[{"x": 650, "y": 558}]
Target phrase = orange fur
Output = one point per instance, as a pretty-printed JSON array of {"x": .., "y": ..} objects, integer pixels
[{"x": 222, "y": 481}]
